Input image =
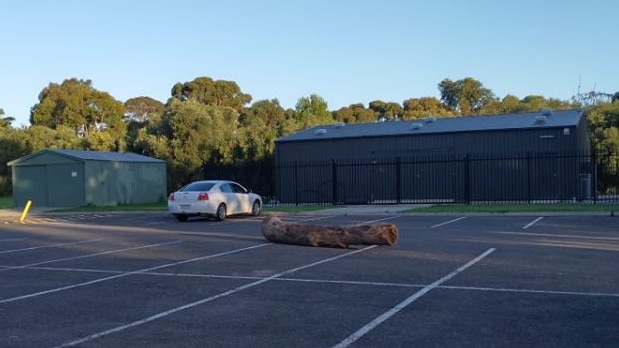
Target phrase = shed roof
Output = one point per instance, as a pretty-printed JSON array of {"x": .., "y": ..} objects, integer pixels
[
  {"x": 541, "y": 119},
  {"x": 92, "y": 156}
]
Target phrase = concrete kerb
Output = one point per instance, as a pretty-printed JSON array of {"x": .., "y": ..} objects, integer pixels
[{"x": 406, "y": 209}]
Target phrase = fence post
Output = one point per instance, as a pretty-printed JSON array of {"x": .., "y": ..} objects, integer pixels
[
  {"x": 467, "y": 179},
  {"x": 334, "y": 181},
  {"x": 296, "y": 184},
  {"x": 398, "y": 180},
  {"x": 594, "y": 163},
  {"x": 529, "y": 177}
]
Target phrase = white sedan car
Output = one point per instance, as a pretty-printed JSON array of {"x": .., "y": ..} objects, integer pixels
[{"x": 214, "y": 198}]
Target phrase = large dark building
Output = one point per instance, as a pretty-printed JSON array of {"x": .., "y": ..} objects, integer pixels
[{"x": 526, "y": 156}]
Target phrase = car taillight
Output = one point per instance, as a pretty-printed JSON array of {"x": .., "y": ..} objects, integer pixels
[
  {"x": 203, "y": 196},
  {"x": 171, "y": 197}
]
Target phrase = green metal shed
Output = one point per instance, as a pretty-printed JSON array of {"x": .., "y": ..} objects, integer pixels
[{"x": 68, "y": 178}]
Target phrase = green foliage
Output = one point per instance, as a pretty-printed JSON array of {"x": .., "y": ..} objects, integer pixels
[
  {"x": 416, "y": 108},
  {"x": 355, "y": 113},
  {"x": 6, "y": 201},
  {"x": 207, "y": 122},
  {"x": 467, "y": 96},
  {"x": 207, "y": 91},
  {"x": 40, "y": 137},
  {"x": 6, "y": 120},
  {"x": 12, "y": 146},
  {"x": 604, "y": 127},
  {"x": 312, "y": 111},
  {"x": 260, "y": 125},
  {"x": 143, "y": 108},
  {"x": 77, "y": 105}
]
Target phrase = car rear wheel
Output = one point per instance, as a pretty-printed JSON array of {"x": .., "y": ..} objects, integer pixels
[
  {"x": 255, "y": 209},
  {"x": 220, "y": 215},
  {"x": 181, "y": 218}
]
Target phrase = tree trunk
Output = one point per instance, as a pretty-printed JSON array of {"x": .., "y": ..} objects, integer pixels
[{"x": 275, "y": 230}]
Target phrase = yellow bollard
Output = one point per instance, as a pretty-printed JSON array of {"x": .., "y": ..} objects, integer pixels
[{"x": 26, "y": 208}]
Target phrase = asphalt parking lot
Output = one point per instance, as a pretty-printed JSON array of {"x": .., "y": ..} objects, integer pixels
[{"x": 146, "y": 280}]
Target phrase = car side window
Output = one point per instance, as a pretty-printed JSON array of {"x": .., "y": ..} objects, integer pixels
[
  {"x": 226, "y": 188},
  {"x": 238, "y": 188}
]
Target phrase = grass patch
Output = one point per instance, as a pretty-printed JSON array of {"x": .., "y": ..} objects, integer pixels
[
  {"x": 6, "y": 202},
  {"x": 163, "y": 206},
  {"x": 121, "y": 207},
  {"x": 514, "y": 208}
]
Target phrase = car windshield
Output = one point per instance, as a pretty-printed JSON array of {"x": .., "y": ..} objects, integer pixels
[{"x": 198, "y": 186}]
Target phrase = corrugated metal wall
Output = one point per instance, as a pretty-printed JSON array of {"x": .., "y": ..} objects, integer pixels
[
  {"x": 52, "y": 180},
  {"x": 49, "y": 180},
  {"x": 110, "y": 183},
  {"x": 557, "y": 140},
  {"x": 434, "y": 167}
]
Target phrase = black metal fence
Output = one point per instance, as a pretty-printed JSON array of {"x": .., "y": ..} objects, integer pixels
[
  {"x": 258, "y": 176},
  {"x": 467, "y": 179}
]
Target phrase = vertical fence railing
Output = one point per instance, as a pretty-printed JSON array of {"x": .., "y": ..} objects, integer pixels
[{"x": 469, "y": 179}]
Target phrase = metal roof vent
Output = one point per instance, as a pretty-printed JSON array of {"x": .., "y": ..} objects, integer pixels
[
  {"x": 320, "y": 131},
  {"x": 547, "y": 112},
  {"x": 416, "y": 125},
  {"x": 540, "y": 119},
  {"x": 430, "y": 119},
  {"x": 339, "y": 125}
]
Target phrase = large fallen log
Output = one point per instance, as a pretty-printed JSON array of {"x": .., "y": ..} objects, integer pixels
[{"x": 277, "y": 231}]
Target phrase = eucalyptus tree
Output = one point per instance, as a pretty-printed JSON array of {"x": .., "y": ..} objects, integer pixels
[
  {"x": 467, "y": 96},
  {"x": 416, "y": 108},
  {"x": 140, "y": 112},
  {"x": 140, "y": 109},
  {"x": 260, "y": 125},
  {"x": 212, "y": 92},
  {"x": 5, "y": 121},
  {"x": 311, "y": 111},
  {"x": 42, "y": 137},
  {"x": 354, "y": 113},
  {"x": 192, "y": 135},
  {"x": 603, "y": 121},
  {"x": 78, "y": 105}
]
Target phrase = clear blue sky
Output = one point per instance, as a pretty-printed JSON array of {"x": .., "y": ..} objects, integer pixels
[{"x": 346, "y": 51}]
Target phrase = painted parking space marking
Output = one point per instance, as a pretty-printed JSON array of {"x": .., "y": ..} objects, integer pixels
[
  {"x": 49, "y": 246},
  {"x": 574, "y": 236},
  {"x": 125, "y": 274},
  {"x": 331, "y": 281},
  {"x": 6, "y": 268},
  {"x": 531, "y": 291},
  {"x": 210, "y": 298},
  {"x": 448, "y": 222},
  {"x": 532, "y": 223},
  {"x": 385, "y": 316},
  {"x": 379, "y": 220}
]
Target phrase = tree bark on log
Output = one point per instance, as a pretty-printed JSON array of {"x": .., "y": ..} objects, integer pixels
[{"x": 277, "y": 231}]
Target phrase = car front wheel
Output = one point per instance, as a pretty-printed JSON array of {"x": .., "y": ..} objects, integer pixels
[{"x": 220, "y": 215}]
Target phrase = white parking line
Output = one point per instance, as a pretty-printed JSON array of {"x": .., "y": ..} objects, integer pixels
[
  {"x": 99, "y": 280},
  {"x": 209, "y": 299},
  {"x": 532, "y": 223},
  {"x": 89, "y": 255},
  {"x": 448, "y": 222},
  {"x": 569, "y": 236},
  {"x": 330, "y": 281},
  {"x": 385, "y": 316},
  {"x": 49, "y": 246},
  {"x": 530, "y": 291},
  {"x": 379, "y": 220}
]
